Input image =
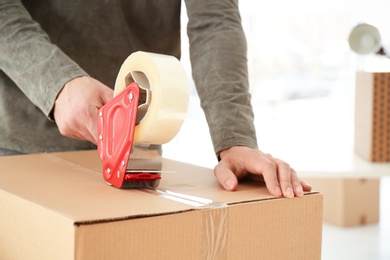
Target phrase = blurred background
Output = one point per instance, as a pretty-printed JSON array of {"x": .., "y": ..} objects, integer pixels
[
  {"x": 302, "y": 75},
  {"x": 302, "y": 81}
]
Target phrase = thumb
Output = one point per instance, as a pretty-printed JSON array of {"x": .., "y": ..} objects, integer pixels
[
  {"x": 226, "y": 177},
  {"x": 107, "y": 95}
]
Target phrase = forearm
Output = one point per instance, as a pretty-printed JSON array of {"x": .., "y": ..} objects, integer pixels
[
  {"x": 39, "y": 68},
  {"x": 219, "y": 65}
]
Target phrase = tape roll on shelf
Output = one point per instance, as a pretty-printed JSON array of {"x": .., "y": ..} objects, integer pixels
[{"x": 166, "y": 79}]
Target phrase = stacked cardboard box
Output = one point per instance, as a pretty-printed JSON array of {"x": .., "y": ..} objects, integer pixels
[
  {"x": 372, "y": 116},
  {"x": 349, "y": 201},
  {"x": 57, "y": 206},
  {"x": 353, "y": 201}
]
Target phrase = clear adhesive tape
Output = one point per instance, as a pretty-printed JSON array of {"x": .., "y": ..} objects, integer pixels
[
  {"x": 215, "y": 224},
  {"x": 166, "y": 79},
  {"x": 214, "y": 217}
]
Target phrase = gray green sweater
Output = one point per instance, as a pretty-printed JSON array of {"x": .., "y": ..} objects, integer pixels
[{"x": 46, "y": 43}]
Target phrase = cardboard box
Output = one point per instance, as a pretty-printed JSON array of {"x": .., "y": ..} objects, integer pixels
[
  {"x": 372, "y": 116},
  {"x": 350, "y": 201},
  {"x": 57, "y": 206}
]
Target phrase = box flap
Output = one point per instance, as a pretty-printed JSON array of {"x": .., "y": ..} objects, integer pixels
[{"x": 72, "y": 185}]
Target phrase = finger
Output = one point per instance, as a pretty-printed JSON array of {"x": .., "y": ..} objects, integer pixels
[
  {"x": 267, "y": 169},
  {"x": 284, "y": 176},
  {"x": 84, "y": 133},
  {"x": 270, "y": 174},
  {"x": 225, "y": 177},
  {"x": 306, "y": 186},
  {"x": 92, "y": 134},
  {"x": 298, "y": 190},
  {"x": 85, "y": 127},
  {"x": 81, "y": 129},
  {"x": 107, "y": 97},
  {"x": 255, "y": 177}
]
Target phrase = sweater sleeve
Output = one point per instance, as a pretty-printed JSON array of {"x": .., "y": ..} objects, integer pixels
[
  {"x": 218, "y": 54},
  {"x": 38, "y": 67}
]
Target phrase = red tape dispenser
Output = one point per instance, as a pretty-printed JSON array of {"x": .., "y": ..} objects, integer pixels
[{"x": 149, "y": 108}]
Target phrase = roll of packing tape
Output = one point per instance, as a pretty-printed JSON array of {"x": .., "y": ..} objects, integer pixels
[{"x": 166, "y": 85}]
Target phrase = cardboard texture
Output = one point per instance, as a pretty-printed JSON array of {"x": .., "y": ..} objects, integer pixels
[
  {"x": 372, "y": 116},
  {"x": 57, "y": 206},
  {"x": 349, "y": 202}
]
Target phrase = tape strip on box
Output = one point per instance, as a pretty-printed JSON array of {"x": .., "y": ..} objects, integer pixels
[
  {"x": 214, "y": 222},
  {"x": 215, "y": 225}
]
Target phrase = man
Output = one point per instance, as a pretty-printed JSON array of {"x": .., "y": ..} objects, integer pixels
[{"x": 58, "y": 57}]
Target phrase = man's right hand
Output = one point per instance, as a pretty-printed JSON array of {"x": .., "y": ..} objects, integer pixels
[{"x": 76, "y": 107}]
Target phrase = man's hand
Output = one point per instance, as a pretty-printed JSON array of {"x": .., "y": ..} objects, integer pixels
[
  {"x": 76, "y": 107},
  {"x": 239, "y": 161}
]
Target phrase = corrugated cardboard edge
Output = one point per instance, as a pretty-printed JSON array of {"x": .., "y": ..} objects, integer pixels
[
  {"x": 86, "y": 166},
  {"x": 271, "y": 229},
  {"x": 62, "y": 156},
  {"x": 105, "y": 220},
  {"x": 67, "y": 239}
]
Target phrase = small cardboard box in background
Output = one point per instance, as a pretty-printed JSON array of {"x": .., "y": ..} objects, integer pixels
[
  {"x": 349, "y": 201},
  {"x": 57, "y": 206},
  {"x": 372, "y": 116}
]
